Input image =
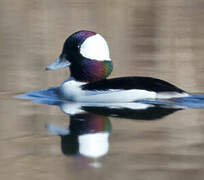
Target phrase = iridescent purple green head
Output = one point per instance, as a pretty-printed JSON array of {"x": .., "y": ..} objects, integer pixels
[{"x": 87, "y": 55}]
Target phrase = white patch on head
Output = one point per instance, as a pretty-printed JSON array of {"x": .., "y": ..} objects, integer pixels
[{"x": 95, "y": 47}]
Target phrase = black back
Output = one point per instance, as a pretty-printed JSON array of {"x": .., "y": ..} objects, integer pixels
[{"x": 127, "y": 83}]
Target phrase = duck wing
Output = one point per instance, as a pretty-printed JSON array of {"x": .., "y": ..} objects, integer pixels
[{"x": 127, "y": 83}]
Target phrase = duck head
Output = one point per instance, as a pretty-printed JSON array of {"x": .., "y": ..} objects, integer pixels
[{"x": 87, "y": 55}]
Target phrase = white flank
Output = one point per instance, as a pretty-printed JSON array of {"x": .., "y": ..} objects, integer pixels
[
  {"x": 95, "y": 47},
  {"x": 121, "y": 96},
  {"x": 94, "y": 145},
  {"x": 71, "y": 90}
]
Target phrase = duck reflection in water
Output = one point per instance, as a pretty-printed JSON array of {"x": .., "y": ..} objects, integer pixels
[
  {"x": 87, "y": 136},
  {"x": 89, "y": 128}
]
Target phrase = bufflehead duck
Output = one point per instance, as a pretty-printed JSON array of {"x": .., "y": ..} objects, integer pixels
[{"x": 87, "y": 55}]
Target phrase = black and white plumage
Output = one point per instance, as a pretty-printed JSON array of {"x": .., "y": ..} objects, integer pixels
[
  {"x": 128, "y": 83},
  {"x": 87, "y": 55},
  {"x": 125, "y": 89}
]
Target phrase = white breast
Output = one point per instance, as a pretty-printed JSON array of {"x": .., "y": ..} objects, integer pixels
[{"x": 71, "y": 89}]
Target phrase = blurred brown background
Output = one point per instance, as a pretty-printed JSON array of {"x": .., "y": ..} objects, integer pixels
[{"x": 158, "y": 38}]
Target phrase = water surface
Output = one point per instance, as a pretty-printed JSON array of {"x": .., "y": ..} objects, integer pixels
[{"x": 157, "y": 38}]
